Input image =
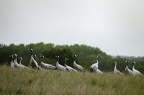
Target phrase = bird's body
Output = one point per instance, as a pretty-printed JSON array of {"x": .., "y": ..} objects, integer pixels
[
  {"x": 12, "y": 62},
  {"x": 59, "y": 66},
  {"x": 127, "y": 69},
  {"x": 47, "y": 66},
  {"x": 68, "y": 67},
  {"x": 116, "y": 71},
  {"x": 99, "y": 72},
  {"x": 16, "y": 63},
  {"x": 135, "y": 72},
  {"x": 94, "y": 67},
  {"x": 77, "y": 66},
  {"x": 22, "y": 64},
  {"x": 33, "y": 62}
]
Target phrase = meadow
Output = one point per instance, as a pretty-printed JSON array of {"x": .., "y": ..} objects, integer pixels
[{"x": 52, "y": 82}]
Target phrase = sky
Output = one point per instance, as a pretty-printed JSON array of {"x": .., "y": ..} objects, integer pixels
[{"x": 114, "y": 26}]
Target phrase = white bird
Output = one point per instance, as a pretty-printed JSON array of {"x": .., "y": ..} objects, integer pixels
[
  {"x": 127, "y": 69},
  {"x": 59, "y": 66},
  {"x": 94, "y": 67},
  {"x": 47, "y": 66},
  {"x": 33, "y": 62},
  {"x": 135, "y": 72},
  {"x": 12, "y": 61},
  {"x": 77, "y": 66},
  {"x": 16, "y": 63},
  {"x": 68, "y": 67},
  {"x": 20, "y": 62},
  {"x": 99, "y": 72},
  {"x": 116, "y": 71}
]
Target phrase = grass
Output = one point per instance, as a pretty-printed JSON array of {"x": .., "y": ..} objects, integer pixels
[{"x": 52, "y": 82}]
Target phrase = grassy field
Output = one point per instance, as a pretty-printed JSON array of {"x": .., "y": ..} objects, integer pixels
[{"x": 48, "y": 82}]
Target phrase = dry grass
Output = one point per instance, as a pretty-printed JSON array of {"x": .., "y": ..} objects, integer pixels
[{"x": 48, "y": 82}]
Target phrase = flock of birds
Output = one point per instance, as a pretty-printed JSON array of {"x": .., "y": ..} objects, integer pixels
[{"x": 93, "y": 68}]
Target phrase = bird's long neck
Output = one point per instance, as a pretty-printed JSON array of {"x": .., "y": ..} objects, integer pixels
[
  {"x": 20, "y": 61},
  {"x": 115, "y": 65},
  {"x": 97, "y": 61},
  {"x": 31, "y": 52},
  {"x": 65, "y": 62},
  {"x": 133, "y": 66}
]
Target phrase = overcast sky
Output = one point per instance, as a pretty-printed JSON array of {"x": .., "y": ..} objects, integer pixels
[{"x": 114, "y": 26}]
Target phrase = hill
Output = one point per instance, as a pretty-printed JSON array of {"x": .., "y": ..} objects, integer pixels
[{"x": 48, "y": 82}]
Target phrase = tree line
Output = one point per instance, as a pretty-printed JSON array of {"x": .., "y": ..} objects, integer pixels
[{"x": 86, "y": 55}]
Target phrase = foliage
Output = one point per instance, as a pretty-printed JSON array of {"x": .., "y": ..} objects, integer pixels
[{"x": 86, "y": 55}]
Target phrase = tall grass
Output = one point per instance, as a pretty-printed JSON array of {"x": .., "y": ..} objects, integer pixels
[{"x": 53, "y": 82}]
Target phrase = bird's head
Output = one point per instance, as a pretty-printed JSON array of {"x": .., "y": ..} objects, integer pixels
[
  {"x": 30, "y": 49},
  {"x": 42, "y": 56},
  {"x": 20, "y": 58},
  {"x": 126, "y": 62},
  {"x": 57, "y": 58},
  {"x": 34, "y": 56},
  {"x": 66, "y": 59},
  {"x": 75, "y": 56},
  {"x": 134, "y": 63}
]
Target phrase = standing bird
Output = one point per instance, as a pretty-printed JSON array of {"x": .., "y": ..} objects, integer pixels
[
  {"x": 127, "y": 69},
  {"x": 33, "y": 62},
  {"x": 68, "y": 67},
  {"x": 135, "y": 72},
  {"x": 77, "y": 66},
  {"x": 116, "y": 71},
  {"x": 47, "y": 66},
  {"x": 20, "y": 62},
  {"x": 94, "y": 67},
  {"x": 12, "y": 61},
  {"x": 59, "y": 66},
  {"x": 16, "y": 63}
]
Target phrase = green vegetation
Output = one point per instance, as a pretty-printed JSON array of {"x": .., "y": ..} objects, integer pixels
[
  {"x": 53, "y": 82},
  {"x": 86, "y": 55}
]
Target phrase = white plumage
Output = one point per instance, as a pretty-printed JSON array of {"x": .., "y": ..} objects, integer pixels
[
  {"x": 127, "y": 69},
  {"x": 77, "y": 66},
  {"x": 94, "y": 66},
  {"x": 68, "y": 67},
  {"x": 116, "y": 71},
  {"x": 33, "y": 62},
  {"x": 16, "y": 63},
  {"x": 47, "y": 66},
  {"x": 59, "y": 66},
  {"x": 135, "y": 72},
  {"x": 12, "y": 61},
  {"x": 99, "y": 72},
  {"x": 22, "y": 64}
]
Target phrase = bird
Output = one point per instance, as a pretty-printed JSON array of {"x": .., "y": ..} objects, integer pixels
[
  {"x": 99, "y": 72},
  {"x": 77, "y": 66},
  {"x": 59, "y": 66},
  {"x": 47, "y": 66},
  {"x": 127, "y": 69},
  {"x": 16, "y": 63},
  {"x": 135, "y": 72},
  {"x": 94, "y": 66},
  {"x": 32, "y": 58},
  {"x": 116, "y": 71},
  {"x": 20, "y": 62},
  {"x": 12, "y": 61},
  {"x": 33, "y": 62},
  {"x": 68, "y": 67}
]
